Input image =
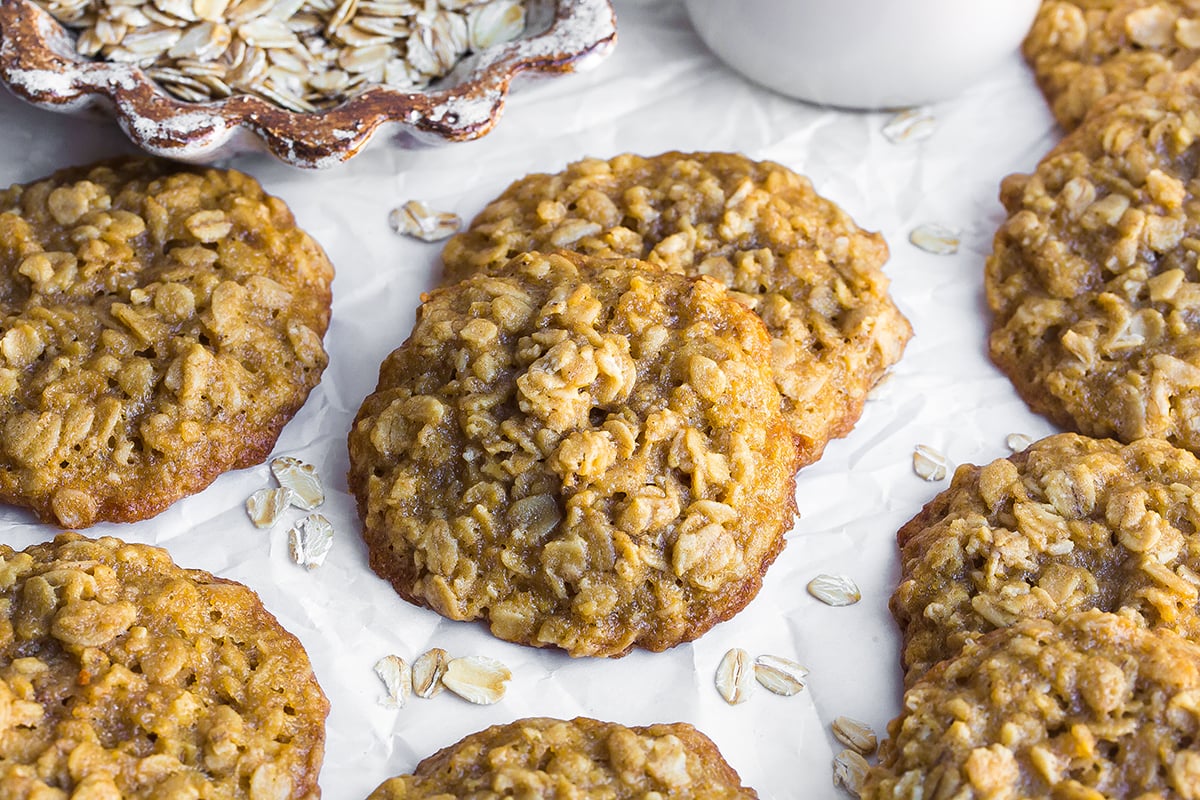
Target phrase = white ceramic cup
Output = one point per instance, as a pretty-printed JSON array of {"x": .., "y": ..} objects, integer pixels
[{"x": 864, "y": 53}]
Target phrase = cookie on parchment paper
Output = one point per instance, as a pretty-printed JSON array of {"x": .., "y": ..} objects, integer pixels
[
  {"x": 576, "y": 758},
  {"x": 1082, "y": 51},
  {"x": 124, "y": 675},
  {"x": 1096, "y": 706},
  {"x": 793, "y": 256},
  {"x": 161, "y": 324},
  {"x": 1093, "y": 282},
  {"x": 1068, "y": 524},
  {"x": 588, "y": 453}
]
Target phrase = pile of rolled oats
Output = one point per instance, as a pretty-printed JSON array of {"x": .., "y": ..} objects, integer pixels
[{"x": 303, "y": 55}]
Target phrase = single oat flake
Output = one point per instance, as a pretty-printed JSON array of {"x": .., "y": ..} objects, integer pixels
[
  {"x": 478, "y": 679},
  {"x": 427, "y": 672},
  {"x": 929, "y": 464},
  {"x": 266, "y": 506},
  {"x": 834, "y": 590},
  {"x": 302, "y": 479},
  {"x": 779, "y": 675},
  {"x": 397, "y": 678},
  {"x": 735, "y": 676},
  {"x": 850, "y": 771},
  {"x": 937, "y": 239},
  {"x": 310, "y": 540},
  {"x": 858, "y": 736},
  {"x": 1017, "y": 442},
  {"x": 909, "y": 126},
  {"x": 416, "y": 219}
]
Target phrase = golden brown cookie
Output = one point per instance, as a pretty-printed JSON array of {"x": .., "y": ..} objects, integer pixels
[
  {"x": 1093, "y": 282},
  {"x": 794, "y": 257},
  {"x": 160, "y": 326},
  {"x": 1070, "y": 523},
  {"x": 585, "y": 758},
  {"x": 1082, "y": 51},
  {"x": 125, "y": 676},
  {"x": 1095, "y": 707},
  {"x": 588, "y": 453}
]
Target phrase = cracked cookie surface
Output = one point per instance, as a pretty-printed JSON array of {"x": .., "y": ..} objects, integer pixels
[
  {"x": 795, "y": 258},
  {"x": 1093, "y": 280},
  {"x": 124, "y": 675},
  {"x": 588, "y": 453},
  {"x": 1096, "y": 706},
  {"x": 1068, "y": 524},
  {"x": 576, "y": 758},
  {"x": 161, "y": 325}
]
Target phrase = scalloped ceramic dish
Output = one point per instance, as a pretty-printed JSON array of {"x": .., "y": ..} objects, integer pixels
[{"x": 38, "y": 63}]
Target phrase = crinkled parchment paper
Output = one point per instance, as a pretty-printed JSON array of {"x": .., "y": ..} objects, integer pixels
[{"x": 660, "y": 90}]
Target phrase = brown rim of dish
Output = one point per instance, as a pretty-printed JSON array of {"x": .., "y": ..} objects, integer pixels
[{"x": 39, "y": 64}]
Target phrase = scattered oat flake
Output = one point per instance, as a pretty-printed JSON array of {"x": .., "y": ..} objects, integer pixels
[
  {"x": 856, "y": 735},
  {"x": 397, "y": 677},
  {"x": 735, "y": 676},
  {"x": 937, "y": 239},
  {"x": 834, "y": 590},
  {"x": 302, "y": 479},
  {"x": 929, "y": 464},
  {"x": 478, "y": 679},
  {"x": 849, "y": 771},
  {"x": 912, "y": 125},
  {"x": 309, "y": 541},
  {"x": 779, "y": 675},
  {"x": 427, "y": 672},
  {"x": 1017, "y": 442},
  {"x": 266, "y": 506},
  {"x": 416, "y": 219}
]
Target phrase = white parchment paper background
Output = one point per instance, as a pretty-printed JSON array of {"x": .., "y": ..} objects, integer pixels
[{"x": 660, "y": 90}]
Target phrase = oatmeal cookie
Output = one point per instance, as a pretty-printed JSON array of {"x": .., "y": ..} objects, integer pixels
[
  {"x": 1093, "y": 281},
  {"x": 160, "y": 326},
  {"x": 1069, "y": 524},
  {"x": 125, "y": 676},
  {"x": 588, "y": 453},
  {"x": 795, "y": 258},
  {"x": 542, "y": 757},
  {"x": 1084, "y": 50},
  {"x": 1094, "y": 707}
]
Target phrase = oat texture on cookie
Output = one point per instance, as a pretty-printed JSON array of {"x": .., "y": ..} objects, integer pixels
[
  {"x": 160, "y": 325},
  {"x": 573, "y": 758},
  {"x": 588, "y": 453},
  {"x": 1093, "y": 282},
  {"x": 1082, "y": 51},
  {"x": 123, "y": 675},
  {"x": 1070, "y": 523},
  {"x": 1093, "y": 707},
  {"x": 795, "y": 258}
]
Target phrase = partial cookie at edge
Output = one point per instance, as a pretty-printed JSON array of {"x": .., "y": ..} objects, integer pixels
[
  {"x": 1082, "y": 52},
  {"x": 1093, "y": 282},
  {"x": 161, "y": 325},
  {"x": 587, "y": 755},
  {"x": 124, "y": 675},
  {"x": 1095, "y": 706},
  {"x": 1069, "y": 524}
]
